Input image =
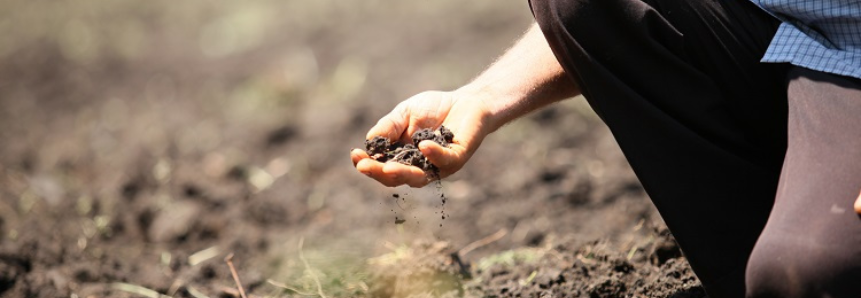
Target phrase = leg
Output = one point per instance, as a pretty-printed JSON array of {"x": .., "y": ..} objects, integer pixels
[
  {"x": 811, "y": 246},
  {"x": 701, "y": 121}
]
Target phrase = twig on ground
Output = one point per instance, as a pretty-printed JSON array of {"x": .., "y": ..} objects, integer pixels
[
  {"x": 482, "y": 242},
  {"x": 174, "y": 287},
  {"x": 136, "y": 289},
  {"x": 289, "y": 288},
  {"x": 195, "y": 292},
  {"x": 632, "y": 252},
  {"x": 308, "y": 267},
  {"x": 229, "y": 260},
  {"x": 203, "y": 255}
]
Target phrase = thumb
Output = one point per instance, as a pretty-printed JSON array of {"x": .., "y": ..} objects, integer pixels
[
  {"x": 442, "y": 157},
  {"x": 858, "y": 205},
  {"x": 392, "y": 125}
]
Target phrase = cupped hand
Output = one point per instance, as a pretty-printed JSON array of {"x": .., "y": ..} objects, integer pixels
[{"x": 466, "y": 117}]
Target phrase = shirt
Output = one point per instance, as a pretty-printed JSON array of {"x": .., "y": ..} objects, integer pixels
[{"x": 823, "y": 35}]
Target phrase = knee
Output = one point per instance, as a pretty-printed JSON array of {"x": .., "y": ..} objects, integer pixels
[
  {"x": 799, "y": 268},
  {"x": 772, "y": 274}
]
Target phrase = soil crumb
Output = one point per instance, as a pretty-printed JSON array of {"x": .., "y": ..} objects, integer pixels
[
  {"x": 443, "y": 200},
  {"x": 592, "y": 269},
  {"x": 569, "y": 268},
  {"x": 401, "y": 202},
  {"x": 383, "y": 150}
]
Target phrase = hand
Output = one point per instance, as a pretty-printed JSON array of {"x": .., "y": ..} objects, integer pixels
[
  {"x": 858, "y": 204},
  {"x": 466, "y": 117},
  {"x": 525, "y": 78}
]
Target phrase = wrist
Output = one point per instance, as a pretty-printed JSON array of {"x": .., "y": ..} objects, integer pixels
[{"x": 491, "y": 104}]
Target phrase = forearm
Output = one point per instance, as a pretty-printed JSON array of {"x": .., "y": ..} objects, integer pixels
[{"x": 525, "y": 78}]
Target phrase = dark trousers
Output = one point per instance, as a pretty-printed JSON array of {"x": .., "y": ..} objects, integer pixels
[{"x": 704, "y": 126}]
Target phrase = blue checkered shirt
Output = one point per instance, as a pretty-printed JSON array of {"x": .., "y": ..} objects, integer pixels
[{"x": 823, "y": 35}]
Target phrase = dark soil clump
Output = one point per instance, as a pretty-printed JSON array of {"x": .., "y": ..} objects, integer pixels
[
  {"x": 383, "y": 150},
  {"x": 594, "y": 269}
]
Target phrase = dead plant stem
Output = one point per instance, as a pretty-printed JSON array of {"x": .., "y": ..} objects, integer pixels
[
  {"x": 308, "y": 267},
  {"x": 483, "y": 241},
  {"x": 229, "y": 260}
]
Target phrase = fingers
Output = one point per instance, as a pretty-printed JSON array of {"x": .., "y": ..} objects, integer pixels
[
  {"x": 858, "y": 204},
  {"x": 443, "y": 158},
  {"x": 423, "y": 110},
  {"x": 392, "y": 125},
  {"x": 392, "y": 174},
  {"x": 433, "y": 109},
  {"x": 358, "y": 154},
  {"x": 404, "y": 174}
]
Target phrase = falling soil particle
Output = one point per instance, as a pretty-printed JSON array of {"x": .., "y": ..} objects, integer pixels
[
  {"x": 442, "y": 200},
  {"x": 384, "y": 150}
]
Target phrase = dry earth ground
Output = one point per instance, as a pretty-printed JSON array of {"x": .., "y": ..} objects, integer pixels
[{"x": 141, "y": 142}]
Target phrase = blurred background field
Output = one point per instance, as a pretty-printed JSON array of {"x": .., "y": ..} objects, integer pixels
[{"x": 143, "y": 141}]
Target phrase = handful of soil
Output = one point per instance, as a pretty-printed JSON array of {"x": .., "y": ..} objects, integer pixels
[{"x": 383, "y": 150}]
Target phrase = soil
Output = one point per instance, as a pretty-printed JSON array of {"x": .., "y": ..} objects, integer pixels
[
  {"x": 141, "y": 143},
  {"x": 593, "y": 269},
  {"x": 567, "y": 269},
  {"x": 383, "y": 150}
]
